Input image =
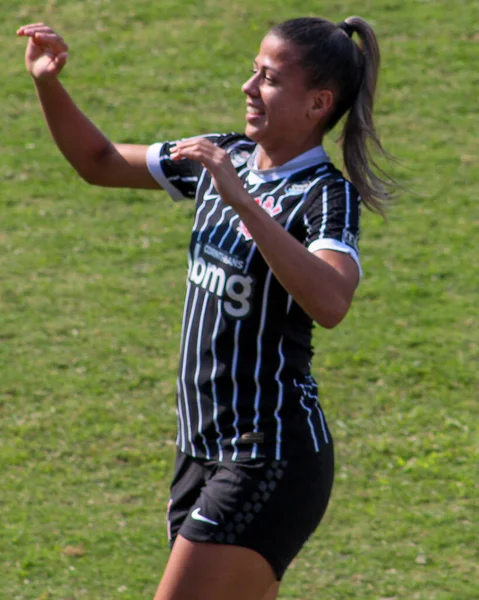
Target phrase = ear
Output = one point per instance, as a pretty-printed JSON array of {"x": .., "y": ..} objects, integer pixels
[{"x": 321, "y": 104}]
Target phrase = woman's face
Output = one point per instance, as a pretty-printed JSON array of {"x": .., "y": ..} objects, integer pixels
[{"x": 279, "y": 104}]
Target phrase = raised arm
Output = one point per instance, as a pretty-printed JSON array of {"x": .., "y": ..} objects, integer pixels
[{"x": 95, "y": 158}]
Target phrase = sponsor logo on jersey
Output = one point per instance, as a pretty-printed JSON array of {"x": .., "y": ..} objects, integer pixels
[
  {"x": 225, "y": 280},
  {"x": 295, "y": 189},
  {"x": 239, "y": 157},
  {"x": 222, "y": 256},
  {"x": 269, "y": 206}
]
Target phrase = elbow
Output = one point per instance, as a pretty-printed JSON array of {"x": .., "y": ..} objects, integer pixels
[
  {"x": 90, "y": 177},
  {"x": 86, "y": 176},
  {"x": 330, "y": 322},
  {"x": 332, "y": 317},
  {"x": 93, "y": 166},
  {"x": 90, "y": 173},
  {"x": 94, "y": 172}
]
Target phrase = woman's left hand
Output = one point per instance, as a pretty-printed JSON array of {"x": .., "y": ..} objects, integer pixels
[
  {"x": 225, "y": 178},
  {"x": 322, "y": 284}
]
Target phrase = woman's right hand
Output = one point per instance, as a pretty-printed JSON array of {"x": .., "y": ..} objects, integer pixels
[
  {"x": 46, "y": 52},
  {"x": 92, "y": 155}
]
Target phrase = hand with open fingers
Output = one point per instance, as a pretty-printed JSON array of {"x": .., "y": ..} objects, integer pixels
[
  {"x": 217, "y": 161},
  {"x": 46, "y": 52}
]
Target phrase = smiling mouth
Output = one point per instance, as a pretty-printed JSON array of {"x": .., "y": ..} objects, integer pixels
[{"x": 253, "y": 113}]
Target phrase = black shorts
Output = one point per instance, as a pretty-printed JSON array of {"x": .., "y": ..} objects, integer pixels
[{"x": 269, "y": 506}]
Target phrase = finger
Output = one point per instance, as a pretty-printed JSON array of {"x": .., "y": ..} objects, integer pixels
[
  {"x": 205, "y": 150},
  {"x": 193, "y": 153},
  {"x": 30, "y": 29},
  {"x": 32, "y": 33},
  {"x": 57, "y": 64},
  {"x": 194, "y": 148},
  {"x": 181, "y": 147},
  {"x": 52, "y": 40},
  {"x": 61, "y": 60},
  {"x": 40, "y": 24},
  {"x": 187, "y": 149},
  {"x": 196, "y": 141},
  {"x": 177, "y": 153}
]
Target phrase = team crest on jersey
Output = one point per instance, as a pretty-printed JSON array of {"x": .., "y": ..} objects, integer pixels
[
  {"x": 239, "y": 158},
  {"x": 269, "y": 206},
  {"x": 295, "y": 189}
]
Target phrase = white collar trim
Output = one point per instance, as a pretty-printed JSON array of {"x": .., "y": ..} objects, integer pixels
[{"x": 310, "y": 158}]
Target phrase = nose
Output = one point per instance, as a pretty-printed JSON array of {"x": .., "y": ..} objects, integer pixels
[{"x": 251, "y": 86}]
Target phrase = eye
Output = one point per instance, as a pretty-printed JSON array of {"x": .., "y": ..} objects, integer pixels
[{"x": 265, "y": 75}]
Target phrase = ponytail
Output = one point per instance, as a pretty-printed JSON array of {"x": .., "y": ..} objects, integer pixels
[
  {"x": 331, "y": 58},
  {"x": 359, "y": 137}
]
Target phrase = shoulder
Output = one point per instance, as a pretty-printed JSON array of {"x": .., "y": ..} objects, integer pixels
[
  {"x": 331, "y": 187},
  {"x": 238, "y": 146},
  {"x": 230, "y": 141},
  {"x": 333, "y": 205},
  {"x": 328, "y": 176},
  {"x": 234, "y": 139}
]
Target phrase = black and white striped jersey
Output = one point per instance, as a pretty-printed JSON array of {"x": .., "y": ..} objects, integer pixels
[{"x": 244, "y": 382}]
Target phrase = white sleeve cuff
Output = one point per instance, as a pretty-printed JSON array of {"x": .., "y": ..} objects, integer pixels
[
  {"x": 337, "y": 246},
  {"x": 154, "y": 166}
]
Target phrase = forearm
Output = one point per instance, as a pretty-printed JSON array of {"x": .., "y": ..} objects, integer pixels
[
  {"x": 323, "y": 288},
  {"x": 315, "y": 285},
  {"x": 82, "y": 144}
]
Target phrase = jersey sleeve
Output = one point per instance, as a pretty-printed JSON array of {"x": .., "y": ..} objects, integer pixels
[
  {"x": 180, "y": 178},
  {"x": 332, "y": 220}
]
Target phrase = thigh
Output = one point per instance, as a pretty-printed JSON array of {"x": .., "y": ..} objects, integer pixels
[{"x": 206, "y": 571}]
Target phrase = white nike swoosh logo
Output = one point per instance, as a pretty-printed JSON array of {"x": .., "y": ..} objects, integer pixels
[{"x": 196, "y": 515}]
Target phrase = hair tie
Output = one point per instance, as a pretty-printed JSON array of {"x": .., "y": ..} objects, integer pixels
[{"x": 347, "y": 28}]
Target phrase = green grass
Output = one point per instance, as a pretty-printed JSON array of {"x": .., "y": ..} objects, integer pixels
[{"x": 92, "y": 282}]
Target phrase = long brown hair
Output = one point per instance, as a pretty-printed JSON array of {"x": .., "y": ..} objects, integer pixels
[{"x": 330, "y": 57}]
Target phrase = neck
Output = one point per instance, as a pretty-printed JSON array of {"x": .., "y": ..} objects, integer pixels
[
  {"x": 276, "y": 155},
  {"x": 268, "y": 159}
]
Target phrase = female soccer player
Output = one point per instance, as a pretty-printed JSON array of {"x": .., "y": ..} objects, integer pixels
[{"x": 274, "y": 248}]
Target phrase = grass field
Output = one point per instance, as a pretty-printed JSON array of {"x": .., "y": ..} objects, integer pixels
[{"x": 92, "y": 282}]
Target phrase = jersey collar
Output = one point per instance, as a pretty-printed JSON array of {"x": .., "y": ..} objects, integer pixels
[{"x": 311, "y": 158}]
